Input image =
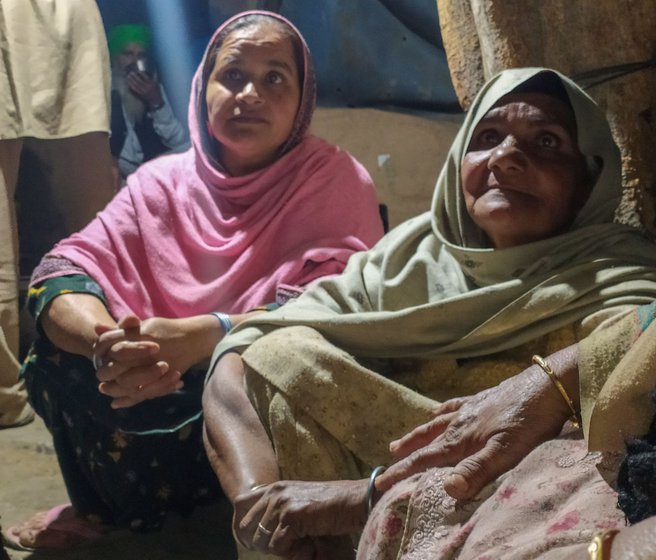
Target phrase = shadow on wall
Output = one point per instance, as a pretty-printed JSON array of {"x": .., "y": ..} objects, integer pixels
[{"x": 403, "y": 152}]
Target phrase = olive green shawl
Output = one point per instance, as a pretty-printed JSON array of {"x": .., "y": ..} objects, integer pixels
[{"x": 429, "y": 288}]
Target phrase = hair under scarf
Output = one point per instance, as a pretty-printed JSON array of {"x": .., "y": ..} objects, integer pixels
[
  {"x": 184, "y": 237},
  {"x": 428, "y": 288}
]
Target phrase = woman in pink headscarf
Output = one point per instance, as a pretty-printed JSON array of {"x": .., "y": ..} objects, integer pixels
[{"x": 252, "y": 213}]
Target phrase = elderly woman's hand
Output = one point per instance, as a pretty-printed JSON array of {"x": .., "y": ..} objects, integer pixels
[
  {"x": 486, "y": 434},
  {"x": 294, "y": 519}
]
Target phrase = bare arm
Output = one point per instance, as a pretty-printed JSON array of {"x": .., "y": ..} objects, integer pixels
[
  {"x": 298, "y": 515},
  {"x": 237, "y": 444},
  {"x": 70, "y": 321}
]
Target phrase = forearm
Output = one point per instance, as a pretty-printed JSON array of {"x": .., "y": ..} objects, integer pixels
[
  {"x": 69, "y": 320},
  {"x": 237, "y": 444}
]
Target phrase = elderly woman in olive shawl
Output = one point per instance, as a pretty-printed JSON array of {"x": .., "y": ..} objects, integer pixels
[{"x": 435, "y": 327}]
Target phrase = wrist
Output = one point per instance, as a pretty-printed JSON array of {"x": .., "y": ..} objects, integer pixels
[
  {"x": 572, "y": 409},
  {"x": 225, "y": 321},
  {"x": 204, "y": 334}
]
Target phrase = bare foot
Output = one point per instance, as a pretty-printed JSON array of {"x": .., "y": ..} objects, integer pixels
[{"x": 56, "y": 529}]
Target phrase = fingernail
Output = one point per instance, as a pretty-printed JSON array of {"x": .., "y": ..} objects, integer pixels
[
  {"x": 458, "y": 483},
  {"x": 393, "y": 446}
]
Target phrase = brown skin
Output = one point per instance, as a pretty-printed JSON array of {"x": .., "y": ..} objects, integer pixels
[
  {"x": 70, "y": 321},
  {"x": 253, "y": 94},
  {"x": 523, "y": 179},
  {"x": 148, "y": 359},
  {"x": 142, "y": 359},
  {"x": 298, "y": 514},
  {"x": 486, "y": 434}
]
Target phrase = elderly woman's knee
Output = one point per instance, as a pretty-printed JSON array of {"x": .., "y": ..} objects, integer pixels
[{"x": 289, "y": 342}]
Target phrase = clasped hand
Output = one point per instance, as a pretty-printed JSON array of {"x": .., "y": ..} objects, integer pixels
[{"x": 141, "y": 360}]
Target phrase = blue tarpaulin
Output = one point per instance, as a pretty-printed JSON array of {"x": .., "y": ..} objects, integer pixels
[
  {"x": 367, "y": 53},
  {"x": 375, "y": 52}
]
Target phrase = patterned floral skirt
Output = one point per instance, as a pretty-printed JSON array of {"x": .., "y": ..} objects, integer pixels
[
  {"x": 553, "y": 501},
  {"x": 128, "y": 467}
]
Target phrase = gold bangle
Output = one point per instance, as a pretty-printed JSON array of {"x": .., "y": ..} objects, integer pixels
[
  {"x": 599, "y": 548},
  {"x": 546, "y": 368}
]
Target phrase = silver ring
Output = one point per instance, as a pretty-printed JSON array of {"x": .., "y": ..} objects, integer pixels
[
  {"x": 264, "y": 530},
  {"x": 97, "y": 362}
]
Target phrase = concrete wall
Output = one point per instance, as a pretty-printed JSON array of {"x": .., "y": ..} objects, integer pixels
[{"x": 403, "y": 152}]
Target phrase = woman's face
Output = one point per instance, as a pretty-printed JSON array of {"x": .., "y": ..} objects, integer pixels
[
  {"x": 523, "y": 176},
  {"x": 253, "y": 94}
]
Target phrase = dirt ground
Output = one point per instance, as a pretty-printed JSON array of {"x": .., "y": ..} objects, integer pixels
[{"x": 30, "y": 482}]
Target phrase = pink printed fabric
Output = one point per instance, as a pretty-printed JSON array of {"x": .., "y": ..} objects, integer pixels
[
  {"x": 184, "y": 237},
  {"x": 554, "y": 501}
]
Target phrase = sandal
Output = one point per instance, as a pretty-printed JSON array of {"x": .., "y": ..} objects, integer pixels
[{"x": 56, "y": 529}]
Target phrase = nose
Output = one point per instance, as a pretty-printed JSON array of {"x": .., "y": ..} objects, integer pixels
[
  {"x": 507, "y": 156},
  {"x": 249, "y": 94}
]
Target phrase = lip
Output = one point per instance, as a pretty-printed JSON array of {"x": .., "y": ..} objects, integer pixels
[
  {"x": 507, "y": 188},
  {"x": 247, "y": 119}
]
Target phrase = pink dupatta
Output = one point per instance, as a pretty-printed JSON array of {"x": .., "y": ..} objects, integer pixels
[{"x": 184, "y": 238}]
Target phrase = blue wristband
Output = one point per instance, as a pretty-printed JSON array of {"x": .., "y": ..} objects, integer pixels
[{"x": 224, "y": 320}]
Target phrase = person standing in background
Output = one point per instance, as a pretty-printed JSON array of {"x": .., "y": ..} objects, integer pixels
[
  {"x": 143, "y": 124},
  {"x": 54, "y": 98}
]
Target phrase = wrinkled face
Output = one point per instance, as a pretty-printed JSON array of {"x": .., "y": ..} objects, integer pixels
[
  {"x": 253, "y": 94},
  {"x": 523, "y": 176},
  {"x": 131, "y": 53}
]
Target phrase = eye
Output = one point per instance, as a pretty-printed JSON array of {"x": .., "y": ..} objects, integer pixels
[
  {"x": 490, "y": 137},
  {"x": 232, "y": 75},
  {"x": 485, "y": 139},
  {"x": 275, "y": 78},
  {"x": 548, "y": 140}
]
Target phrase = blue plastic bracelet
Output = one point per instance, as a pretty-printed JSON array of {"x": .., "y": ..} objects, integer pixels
[{"x": 224, "y": 320}]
